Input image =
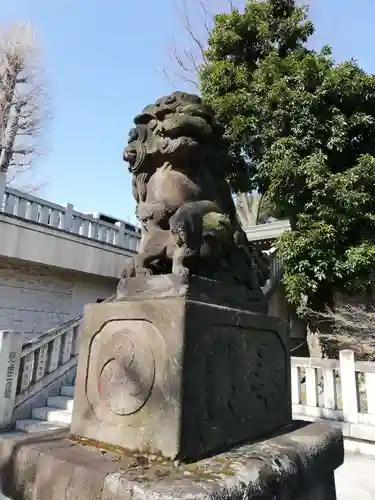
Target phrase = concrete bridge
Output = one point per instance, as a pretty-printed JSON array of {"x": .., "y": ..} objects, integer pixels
[{"x": 54, "y": 260}]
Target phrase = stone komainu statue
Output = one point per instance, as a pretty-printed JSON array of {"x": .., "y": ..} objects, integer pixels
[{"x": 177, "y": 156}]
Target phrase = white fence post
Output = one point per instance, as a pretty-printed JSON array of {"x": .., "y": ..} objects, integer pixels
[
  {"x": 94, "y": 227},
  {"x": 66, "y": 222},
  {"x": 329, "y": 392},
  {"x": 311, "y": 386},
  {"x": 10, "y": 355},
  {"x": 370, "y": 391},
  {"x": 120, "y": 234},
  {"x": 348, "y": 387},
  {"x": 296, "y": 385}
]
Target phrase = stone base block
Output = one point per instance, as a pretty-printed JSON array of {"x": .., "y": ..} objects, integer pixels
[
  {"x": 176, "y": 375},
  {"x": 192, "y": 288},
  {"x": 297, "y": 464}
]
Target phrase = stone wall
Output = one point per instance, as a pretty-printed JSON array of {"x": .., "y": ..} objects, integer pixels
[{"x": 34, "y": 299}]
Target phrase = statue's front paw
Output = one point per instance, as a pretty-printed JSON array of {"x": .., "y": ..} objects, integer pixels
[
  {"x": 143, "y": 271},
  {"x": 144, "y": 212},
  {"x": 180, "y": 270},
  {"x": 179, "y": 236},
  {"x": 129, "y": 269}
]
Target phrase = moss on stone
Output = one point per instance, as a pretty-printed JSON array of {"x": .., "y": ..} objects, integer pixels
[
  {"x": 142, "y": 467},
  {"x": 214, "y": 221}
]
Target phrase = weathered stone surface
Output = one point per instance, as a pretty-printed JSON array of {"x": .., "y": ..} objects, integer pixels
[
  {"x": 297, "y": 464},
  {"x": 179, "y": 161},
  {"x": 190, "y": 287},
  {"x": 177, "y": 375}
]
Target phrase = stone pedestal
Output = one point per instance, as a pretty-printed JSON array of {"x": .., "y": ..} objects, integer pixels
[
  {"x": 180, "y": 369},
  {"x": 297, "y": 464}
]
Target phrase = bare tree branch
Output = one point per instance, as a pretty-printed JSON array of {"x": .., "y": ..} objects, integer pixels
[
  {"x": 185, "y": 58},
  {"x": 195, "y": 21},
  {"x": 353, "y": 327},
  {"x": 187, "y": 25},
  {"x": 24, "y": 102}
]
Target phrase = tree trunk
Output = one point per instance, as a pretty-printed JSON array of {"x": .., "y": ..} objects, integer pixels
[
  {"x": 9, "y": 140},
  {"x": 9, "y": 131},
  {"x": 318, "y": 327}
]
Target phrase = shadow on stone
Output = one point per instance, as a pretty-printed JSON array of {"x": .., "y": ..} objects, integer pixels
[
  {"x": 179, "y": 375},
  {"x": 18, "y": 467}
]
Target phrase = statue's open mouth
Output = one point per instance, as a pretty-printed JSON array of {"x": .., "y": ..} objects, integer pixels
[{"x": 130, "y": 156}]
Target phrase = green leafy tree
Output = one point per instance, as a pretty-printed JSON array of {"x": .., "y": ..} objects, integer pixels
[{"x": 304, "y": 127}]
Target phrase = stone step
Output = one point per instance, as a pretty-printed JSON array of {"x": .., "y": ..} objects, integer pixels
[
  {"x": 55, "y": 415},
  {"x": 11, "y": 434},
  {"x": 62, "y": 402},
  {"x": 33, "y": 425},
  {"x": 67, "y": 390}
]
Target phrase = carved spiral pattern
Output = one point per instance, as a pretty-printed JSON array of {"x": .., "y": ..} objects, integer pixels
[
  {"x": 174, "y": 101},
  {"x": 127, "y": 375},
  {"x": 141, "y": 155}
]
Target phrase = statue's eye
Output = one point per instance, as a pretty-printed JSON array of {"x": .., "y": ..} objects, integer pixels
[
  {"x": 170, "y": 99},
  {"x": 152, "y": 124},
  {"x": 133, "y": 135}
]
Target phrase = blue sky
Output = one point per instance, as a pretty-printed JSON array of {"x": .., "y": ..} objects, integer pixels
[{"x": 103, "y": 59}]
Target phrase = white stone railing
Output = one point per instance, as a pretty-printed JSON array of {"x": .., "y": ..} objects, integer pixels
[
  {"x": 29, "y": 368},
  {"x": 45, "y": 358},
  {"x": 268, "y": 231},
  {"x": 342, "y": 391},
  {"x": 65, "y": 218}
]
